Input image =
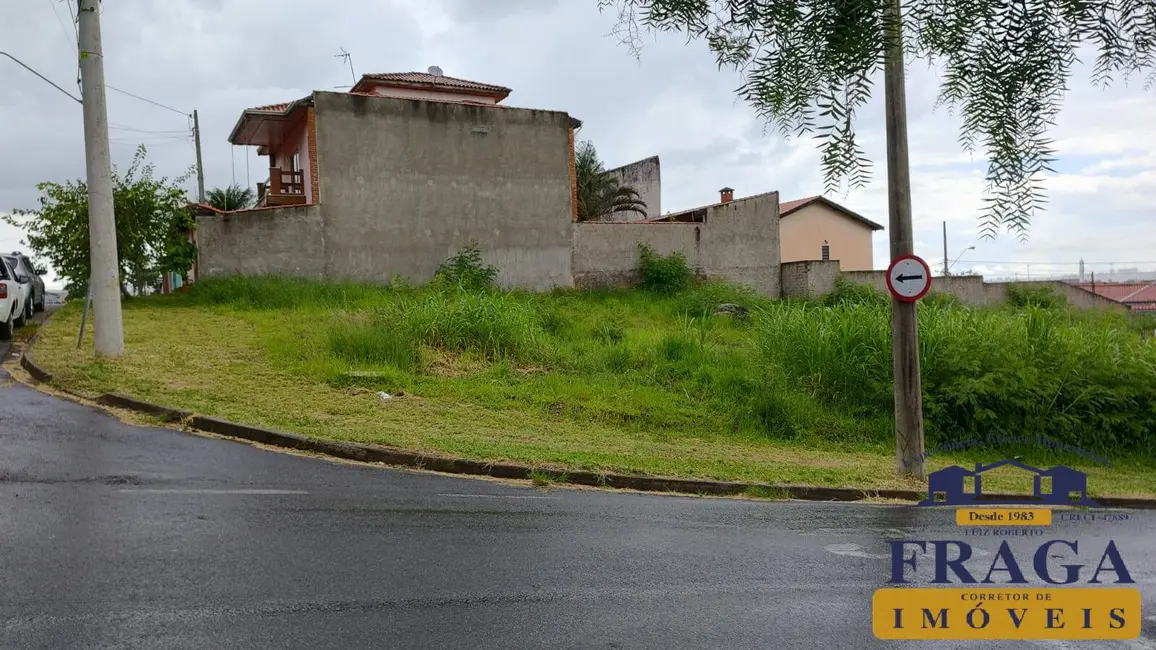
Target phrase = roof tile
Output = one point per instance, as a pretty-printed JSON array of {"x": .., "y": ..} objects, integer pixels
[
  {"x": 436, "y": 80},
  {"x": 1125, "y": 292}
]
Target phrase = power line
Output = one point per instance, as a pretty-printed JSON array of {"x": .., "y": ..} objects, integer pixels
[
  {"x": 125, "y": 92},
  {"x": 117, "y": 127},
  {"x": 52, "y": 4}
]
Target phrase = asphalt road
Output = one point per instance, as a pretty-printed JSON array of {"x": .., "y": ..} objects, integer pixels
[{"x": 119, "y": 536}]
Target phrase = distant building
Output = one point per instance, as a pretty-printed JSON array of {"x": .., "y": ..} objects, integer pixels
[
  {"x": 816, "y": 228},
  {"x": 1137, "y": 296}
]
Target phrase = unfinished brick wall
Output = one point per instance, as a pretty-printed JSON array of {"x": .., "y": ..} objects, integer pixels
[
  {"x": 311, "y": 131},
  {"x": 573, "y": 178}
]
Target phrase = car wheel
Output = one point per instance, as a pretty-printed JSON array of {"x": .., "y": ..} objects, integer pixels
[
  {"x": 7, "y": 328},
  {"x": 29, "y": 311},
  {"x": 20, "y": 320},
  {"x": 38, "y": 306}
]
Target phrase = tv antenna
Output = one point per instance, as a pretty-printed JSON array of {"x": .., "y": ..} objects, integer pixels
[{"x": 348, "y": 58}]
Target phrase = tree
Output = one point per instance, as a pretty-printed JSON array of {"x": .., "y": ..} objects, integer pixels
[
  {"x": 809, "y": 65},
  {"x": 148, "y": 210},
  {"x": 233, "y": 197},
  {"x": 599, "y": 192}
]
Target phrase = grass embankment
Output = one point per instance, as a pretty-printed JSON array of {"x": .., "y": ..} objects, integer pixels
[{"x": 633, "y": 381}]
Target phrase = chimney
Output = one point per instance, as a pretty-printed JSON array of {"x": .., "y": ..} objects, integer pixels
[{"x": 727, "y": 195}]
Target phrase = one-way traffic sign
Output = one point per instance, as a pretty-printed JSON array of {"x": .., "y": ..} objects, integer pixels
[{"x": 908, "y": 278}]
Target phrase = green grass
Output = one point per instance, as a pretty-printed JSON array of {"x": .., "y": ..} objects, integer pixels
[{"x": 631, "y": 381}]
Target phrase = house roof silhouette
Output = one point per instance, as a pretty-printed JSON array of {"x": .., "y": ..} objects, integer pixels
[
  {"x": 953, "y": 470},
  {"x": 1061, "y": 469},
  {"x": 981, "y": 468}
]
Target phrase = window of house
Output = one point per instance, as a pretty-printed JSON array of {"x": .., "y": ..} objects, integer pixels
[{"x": 826, "y": 253}]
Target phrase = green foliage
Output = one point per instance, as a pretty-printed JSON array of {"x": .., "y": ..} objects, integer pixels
[
  {"x": 664, "y": 273},
  {"x": 702, "y": 299},
  {"x": 233, "y": 197},
  {"x": 811, "y": 65},
  {"x": 467, "y": 270},
  {"x": 148, "y": 212},
  {"x": 795, "y": 371},
  {"x": 853, "y": 293},
  {"x": 366, "y": 342},
  {"x": 600, "y": 193},
  {"x": 939, "y": 300},
  {"x": 1044, "y": 296},
  {"x": 273, "y": 292},
  {"x": 1028, "y": 372}
]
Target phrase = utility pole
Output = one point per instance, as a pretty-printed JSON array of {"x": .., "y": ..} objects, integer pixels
[
  {"x": 200, "y": 167},
  {"x": 909, "y": 445},
  {"x": 104, "y": 279},
  {"x": 945, "y": 269}
]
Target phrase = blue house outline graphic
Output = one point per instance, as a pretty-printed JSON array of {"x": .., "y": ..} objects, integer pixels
[{"x": 1066, "y": 483}]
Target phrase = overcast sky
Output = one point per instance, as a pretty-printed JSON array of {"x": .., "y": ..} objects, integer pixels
[{"x": 221, "y": 56}]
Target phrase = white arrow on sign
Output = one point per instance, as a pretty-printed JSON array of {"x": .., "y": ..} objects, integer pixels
[{"x": 908, "y": 278}]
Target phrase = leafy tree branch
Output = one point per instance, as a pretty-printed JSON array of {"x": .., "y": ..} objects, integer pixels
[{"x": 809, "y": 66}]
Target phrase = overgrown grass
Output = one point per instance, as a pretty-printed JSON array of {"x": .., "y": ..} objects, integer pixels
[{"x": 644, "y": 381}]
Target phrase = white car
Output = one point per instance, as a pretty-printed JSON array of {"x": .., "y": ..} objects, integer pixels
[{"x": 13, "y": 307}]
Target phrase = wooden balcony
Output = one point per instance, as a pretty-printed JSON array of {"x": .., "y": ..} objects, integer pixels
[{"x": 284, "y": 187}]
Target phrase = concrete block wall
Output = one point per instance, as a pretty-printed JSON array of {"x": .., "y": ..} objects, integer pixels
[
  {"x": 407, "y": 183},
  {"x": 738, "y": 242},
  {"x": 645, "y": 176},
  {"x": 269, "y": 241},
  {"x": 809, "y": 279},
  {"x": 973, "y": 291}
]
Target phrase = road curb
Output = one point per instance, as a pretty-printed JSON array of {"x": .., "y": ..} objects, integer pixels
[
  {"x": 39, "y": 374},
  {"x": 368, "y": 453},
  {"x": 165, "y": 413}
]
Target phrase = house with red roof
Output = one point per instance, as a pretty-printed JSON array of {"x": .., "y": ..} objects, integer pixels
[
  {"x": 393, "y": 176},
  {"x": 286, "y": 132}
]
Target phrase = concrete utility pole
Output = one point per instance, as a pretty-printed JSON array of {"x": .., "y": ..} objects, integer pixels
[
  {"x": 945, "y": 267},
  {"x": 105, "y": 273},
  {"x": 909, "y": 445},
  {"x": 200, "y": 166}
]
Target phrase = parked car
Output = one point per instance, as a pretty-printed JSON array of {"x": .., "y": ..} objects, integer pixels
[
  {"x": 23, "y": 266},
  {"x": 24, "y": 287},
  {"x": 12, "y": 309}
]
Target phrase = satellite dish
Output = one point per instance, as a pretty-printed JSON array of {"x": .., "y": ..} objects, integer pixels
[{"x": 435, "y": 71}]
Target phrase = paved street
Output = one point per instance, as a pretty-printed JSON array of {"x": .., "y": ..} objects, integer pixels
[{"x": 119, "y": 536}]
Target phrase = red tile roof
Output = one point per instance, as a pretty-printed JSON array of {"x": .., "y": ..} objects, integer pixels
[
  {"x": 427, "y": 81},
  {"x": 272, "y": 108},
  {"x": 1125, "y": 292},
  {"x": 441, "y": 81},
  {"x": 791, "y": 206}
]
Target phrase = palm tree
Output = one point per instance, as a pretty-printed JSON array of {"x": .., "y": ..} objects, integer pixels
[
  {"x": 600, "y": 193},
  {"x": 233, "y": 197}
]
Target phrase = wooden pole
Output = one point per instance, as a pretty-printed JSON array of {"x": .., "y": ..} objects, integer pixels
[{"x": 909, "y": 445}]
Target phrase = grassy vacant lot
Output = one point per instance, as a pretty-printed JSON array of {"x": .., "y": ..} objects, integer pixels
[{"x": 638, "y": 381}]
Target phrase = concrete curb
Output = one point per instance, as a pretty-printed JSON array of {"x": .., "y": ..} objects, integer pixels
[
  {"x": 451, "y": 465},
  {"x": 166, "y": 414}
]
